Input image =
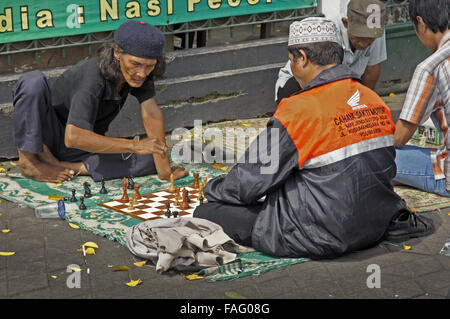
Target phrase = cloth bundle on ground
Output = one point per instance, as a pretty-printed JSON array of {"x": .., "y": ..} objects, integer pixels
[{"x": 187, "y": 241}]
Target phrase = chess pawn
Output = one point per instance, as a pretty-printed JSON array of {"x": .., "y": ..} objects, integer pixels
[
  {"x": 73, "y": 198},
  {"x": 136, "y": 191},
  {"x": 196, "y": 184},
  {"x": 177, "y": 194},
  {"x": 103, "y": 189},
  {"x": 172, "y": 184},
  {"x": 82, "y": 205},
  {"x": 131, "y": 203}
]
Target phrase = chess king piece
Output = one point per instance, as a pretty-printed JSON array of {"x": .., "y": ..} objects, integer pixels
[
  {"x": 172, "y": 184},
  {"x": 184, "y": 203},
  {"x": 82, "y": 205},
  {"x": 87, "y": 190},
  {"x": 73, "y": 198},
  {"x": 175, "y": 214},
  {"x": 103, "y": 189},
  {"x": 125, "y": 197}
]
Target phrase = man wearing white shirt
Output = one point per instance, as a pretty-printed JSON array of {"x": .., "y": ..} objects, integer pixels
[{"x": 364, "y": 44}]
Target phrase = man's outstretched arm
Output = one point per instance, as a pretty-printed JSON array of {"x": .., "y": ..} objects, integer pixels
[
  {"x": 153, "y": 121},
  {"x": 404, "y": 130}
]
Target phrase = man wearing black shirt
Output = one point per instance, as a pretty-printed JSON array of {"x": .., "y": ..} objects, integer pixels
[{"x": 59, "y": 130}]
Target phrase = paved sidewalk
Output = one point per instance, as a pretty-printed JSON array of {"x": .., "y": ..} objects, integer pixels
[{"x": 45, "y": 248}]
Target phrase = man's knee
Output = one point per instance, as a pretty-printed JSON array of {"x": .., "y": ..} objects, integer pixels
[{"x": 31, "y": 84}]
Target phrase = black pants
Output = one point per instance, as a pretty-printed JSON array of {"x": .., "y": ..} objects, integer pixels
[
  {"x": 36, "y": 124},
  {"x": 237, "y": 221}
]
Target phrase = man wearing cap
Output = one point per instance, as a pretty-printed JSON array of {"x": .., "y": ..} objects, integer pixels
[
  {"x": 361, "y": 33},
  {"x": 59, "y": 129},
  {"x": 329, "y": 191}
]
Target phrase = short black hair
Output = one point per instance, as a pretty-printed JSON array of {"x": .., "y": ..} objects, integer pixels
[
  {"x": 320, "y": 53},
  {"x": 435, "y": 13}
]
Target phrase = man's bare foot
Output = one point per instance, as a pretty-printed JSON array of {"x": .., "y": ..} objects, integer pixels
[
  {"x": 49, "y": 158},
  {"x": 34, "y": 168}
]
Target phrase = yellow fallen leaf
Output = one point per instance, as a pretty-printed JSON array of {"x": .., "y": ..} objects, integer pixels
[
  {"x": 218, "y": 166},
  {"x": 54, "y": 277},
  {"x": 392, "y": 94},
  {"x": 74, "y": 226},
  {"x": 90, "y": 251},
  {"x": 13, "y": 164},
  {"x": 3, "y": 170},
  {"x": 57, "y": 185},
  {"x": 90, "y": 244},
  {"x": 121, "y": 268},
  {"x": 4, "y": 253},
  {"x": 5, "y": 230},
  {"x": 406, "y": 247},
  {"x": 140, "y": 263},
  {"x": 110, "y": 266},
  {"x": 245, "y": 124},
  {"x": 75, "y": 269},
  {"x": 93, "y": 216},
  {"x": 134, "y": 283},
  {"x": 193, "y": 277}
]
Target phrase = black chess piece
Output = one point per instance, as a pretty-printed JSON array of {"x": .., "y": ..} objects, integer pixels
[
  {"x": 103, "y": 189},
  {"x": 201, "y": 200},
  {"x": 187, "y": 196},
  {"x": 130, "y": 183},
  {"x": 82, "y": 205},
  {"x": 168, "y": 212},
  {"x": 175, "y": 213},
  {"x": 87, "y": 190},
  {"x": 73, "y": 198}
]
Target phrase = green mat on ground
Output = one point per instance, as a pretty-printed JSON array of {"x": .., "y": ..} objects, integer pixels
[{"x": 114, "y": 226}]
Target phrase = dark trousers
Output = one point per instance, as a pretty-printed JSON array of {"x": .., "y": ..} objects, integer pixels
[
  {"x": 237, "y": 221},
  {"x": 36, "y": 124}
]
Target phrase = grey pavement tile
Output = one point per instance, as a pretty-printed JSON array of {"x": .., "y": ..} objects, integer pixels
[
  {"x": 65, "y": 285},
  {"x": 444, "y": 261},
  {"x": 60, "y": 260},
  {"x": 34, "y": 294},
  {"x": 308, "y": 276},
  {"x": 368, "y": 293},
  {"x": 26, "y": 283},
  {"x": 3, "y": 283},
  {"x": 277, "y": 286},
  {"x": 429, "y": 296},
  {"x": 403, "y": 289},
  {"x": 20, "y": 270},
  {"x": 434, "y": 280},
  {"x": 324, "y": 290},
  {"x": 414, "y": 268}
]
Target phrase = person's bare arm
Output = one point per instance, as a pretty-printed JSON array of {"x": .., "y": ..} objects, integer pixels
[
  {"x": 153, "y": 121},
  {"x": 403, "y": 132},
  {"x": 371, "y": 76},
  {"x": 89, "y": 141}
]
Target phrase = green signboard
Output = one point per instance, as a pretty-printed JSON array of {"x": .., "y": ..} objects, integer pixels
[{"x": 22, "y": 20}]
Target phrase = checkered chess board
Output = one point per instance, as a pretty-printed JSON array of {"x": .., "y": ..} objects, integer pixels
[{"x": 153, "y": 205}]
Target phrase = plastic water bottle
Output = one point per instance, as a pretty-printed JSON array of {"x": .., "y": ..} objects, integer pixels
[{"x": 51, "y": 210}]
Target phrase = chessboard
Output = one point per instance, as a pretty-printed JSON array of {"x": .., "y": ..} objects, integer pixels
[{"x": 153, "y": 205}]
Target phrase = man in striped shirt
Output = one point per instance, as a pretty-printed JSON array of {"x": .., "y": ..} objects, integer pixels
[{"x": 428, "y": 97}]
